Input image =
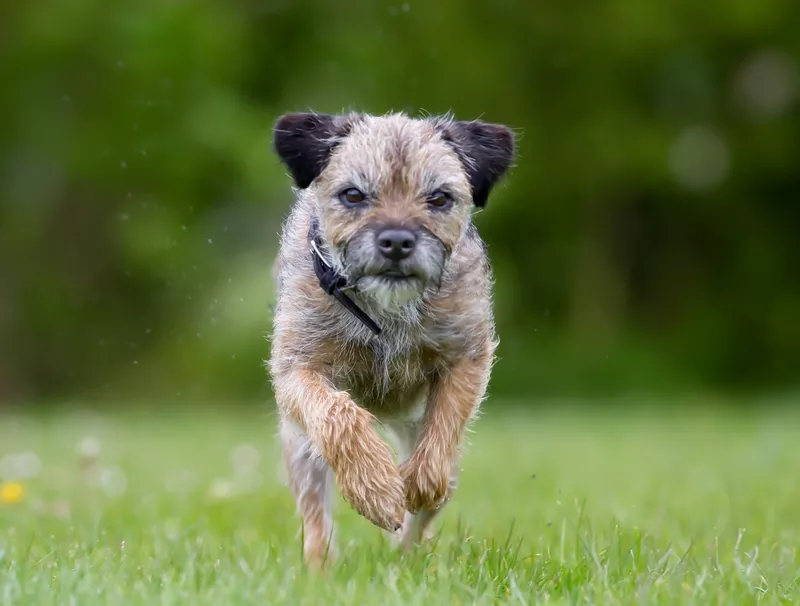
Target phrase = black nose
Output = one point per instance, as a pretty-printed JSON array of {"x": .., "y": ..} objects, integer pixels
[{"x": 396, "y": 244}]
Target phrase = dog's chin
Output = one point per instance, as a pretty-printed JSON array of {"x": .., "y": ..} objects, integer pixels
[{"x": 391, "y": 291}]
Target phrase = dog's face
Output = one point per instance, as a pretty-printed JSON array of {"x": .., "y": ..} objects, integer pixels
[{"x": 393, "y": 195}]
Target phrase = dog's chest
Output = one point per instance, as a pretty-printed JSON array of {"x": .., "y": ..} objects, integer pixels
[{"x": 384, "y": 376}]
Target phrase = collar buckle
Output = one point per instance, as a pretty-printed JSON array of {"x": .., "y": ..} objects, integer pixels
[{"x": 333, "y": 283}]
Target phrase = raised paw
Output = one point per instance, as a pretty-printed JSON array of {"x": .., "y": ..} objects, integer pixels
[
  {"x": 365, "y": 471},
  {"x": 374, "y": 488},
  {"x": 426, "y": 483}
]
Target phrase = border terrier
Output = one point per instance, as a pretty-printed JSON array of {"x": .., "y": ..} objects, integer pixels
[{"x": 383, "y": 312}]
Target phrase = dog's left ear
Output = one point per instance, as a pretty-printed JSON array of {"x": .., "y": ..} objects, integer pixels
[
  {"x": 304, "y": 143},
  {"x": 487, "y": 151}
]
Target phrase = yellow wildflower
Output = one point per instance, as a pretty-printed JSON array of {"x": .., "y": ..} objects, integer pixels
[{"x": 11, "y": 492}]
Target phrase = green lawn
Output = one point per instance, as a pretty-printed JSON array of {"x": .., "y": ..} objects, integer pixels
[{"x": 558, "y": 507}]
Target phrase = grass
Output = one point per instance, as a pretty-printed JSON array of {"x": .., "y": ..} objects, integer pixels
[{"x": 557, "y": 507}]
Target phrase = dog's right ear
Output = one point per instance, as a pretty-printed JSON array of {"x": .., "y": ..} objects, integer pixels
[
  {"x": 304, "y": 143},
  {"x": 489, "y": 151}
]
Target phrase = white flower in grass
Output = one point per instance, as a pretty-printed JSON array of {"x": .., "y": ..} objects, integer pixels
[
  {"x": 113, "y": 482},
  {"x": 89, "y": 448},
  {"x": 28, "y": 465},
  {"x": 20, "y": 466},
  {"x": 221, "y": 488}
]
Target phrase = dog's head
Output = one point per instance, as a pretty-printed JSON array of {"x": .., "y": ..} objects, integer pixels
[{"x": 393, "y": 195}]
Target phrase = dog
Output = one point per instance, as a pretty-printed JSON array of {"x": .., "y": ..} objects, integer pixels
[{"x": 383, "y": 313}]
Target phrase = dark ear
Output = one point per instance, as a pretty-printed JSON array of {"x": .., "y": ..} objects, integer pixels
[
  {"x": 487, "y": 151},
  {"x": 304, "y": 143}
]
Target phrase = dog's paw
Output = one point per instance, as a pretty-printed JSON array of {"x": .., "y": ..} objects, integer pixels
[
  {"x": 366, "y": 474},
  {"x": 426, "y": 483},
  {"x": 375, "y": 490}
]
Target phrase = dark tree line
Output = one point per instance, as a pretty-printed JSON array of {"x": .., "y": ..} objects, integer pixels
[{"x": 647, "y": 238}]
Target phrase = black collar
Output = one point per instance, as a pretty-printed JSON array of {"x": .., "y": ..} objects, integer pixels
[{"x": 333, "y": 282}]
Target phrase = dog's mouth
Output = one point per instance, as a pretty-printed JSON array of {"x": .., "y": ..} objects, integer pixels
[
  {"x": 394, "y": 275},
  {"x": 391, "y": 274},
  {"x": 392, "y": 278}
]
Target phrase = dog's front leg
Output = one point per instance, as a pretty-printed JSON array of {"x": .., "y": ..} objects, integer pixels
[
  {"x": 343, "y": 434},
  {"x": 454, "y": 398}
]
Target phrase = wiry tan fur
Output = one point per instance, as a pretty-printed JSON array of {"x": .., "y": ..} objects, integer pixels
[{"x": 423, "y": 377}]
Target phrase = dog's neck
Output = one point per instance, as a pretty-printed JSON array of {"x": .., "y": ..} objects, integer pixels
[{"x": 331, "y": 281}]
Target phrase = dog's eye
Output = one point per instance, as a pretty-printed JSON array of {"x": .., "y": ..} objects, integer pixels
[
  {"x": 439, "y": 199},
  {"x": 352, "y": 197}
]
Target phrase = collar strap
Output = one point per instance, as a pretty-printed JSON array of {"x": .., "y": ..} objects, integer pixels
[{"x": 333, "y": 282}]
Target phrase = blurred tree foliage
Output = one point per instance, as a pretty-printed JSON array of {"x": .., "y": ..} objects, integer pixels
[{"x": 647, "y": 239}]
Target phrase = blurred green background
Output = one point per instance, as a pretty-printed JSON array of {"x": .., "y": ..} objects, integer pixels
[{"x": 648, "y": 239}]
